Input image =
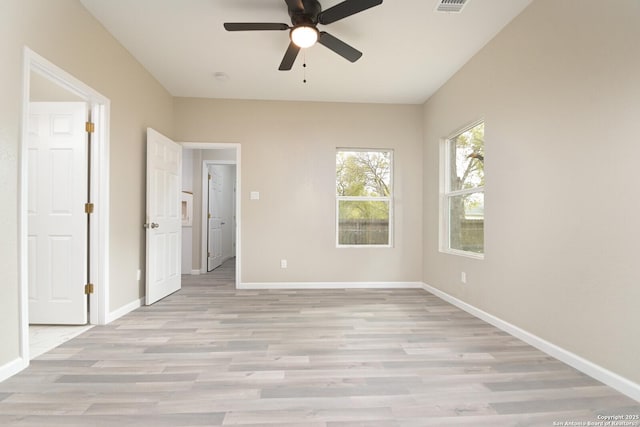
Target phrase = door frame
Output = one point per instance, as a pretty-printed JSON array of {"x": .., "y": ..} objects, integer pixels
[
  {"x": 99, "y": 106},
  {"x": 238, "y": 223}
]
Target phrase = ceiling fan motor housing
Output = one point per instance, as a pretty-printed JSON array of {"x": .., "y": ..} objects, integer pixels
[{"x": 307, "y": 16}]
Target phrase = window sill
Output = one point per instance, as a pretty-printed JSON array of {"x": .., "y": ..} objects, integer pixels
[
  {"x": 472, "y": 255},
  {"x": 364, "y": 246}
]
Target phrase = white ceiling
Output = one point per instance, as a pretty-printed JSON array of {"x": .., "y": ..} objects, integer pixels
[{"x": 409, "y": 49}]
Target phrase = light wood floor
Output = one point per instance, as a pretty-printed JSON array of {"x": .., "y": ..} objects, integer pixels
[
  {"x": 212, "y": 355},
  {"x": 44, "y": 338}
]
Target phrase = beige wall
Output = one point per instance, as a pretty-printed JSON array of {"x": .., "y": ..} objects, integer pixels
[
  {"x": 288, "y": 155},
  {"x": 560, "y": 93},
  {"x": 63, "y": 32}
]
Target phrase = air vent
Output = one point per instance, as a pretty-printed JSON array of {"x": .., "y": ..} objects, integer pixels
[{"x": 454, "y": 6}]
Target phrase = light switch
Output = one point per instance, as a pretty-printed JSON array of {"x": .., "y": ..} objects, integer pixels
[{"x": 255, "y": 195}]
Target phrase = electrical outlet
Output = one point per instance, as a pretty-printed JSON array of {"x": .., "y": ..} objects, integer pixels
[
  {"x": 463, "y": 277},
  {"x": 283, "y": 263},
  {"x": 139, "y": 275}
]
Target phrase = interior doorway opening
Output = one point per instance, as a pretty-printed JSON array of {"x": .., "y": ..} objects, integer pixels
[
  {"x": 48, "y": 86},
  {"x": 206, "y": 216}
]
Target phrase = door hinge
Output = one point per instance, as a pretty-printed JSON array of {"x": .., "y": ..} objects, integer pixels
[
  {"x": 209, "y": 177},
  {"x": 90, "y": 127},
  {"x": 209, "y": 254},
  {"x": 88, "y": 208},
  {"x": 209, "y": 216},
  {"x": 88, "y": 288}
]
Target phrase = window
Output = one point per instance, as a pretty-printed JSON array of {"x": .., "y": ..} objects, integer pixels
[
  {"x": 463, "y": 196},
  {"x": 363, "y": 197}
]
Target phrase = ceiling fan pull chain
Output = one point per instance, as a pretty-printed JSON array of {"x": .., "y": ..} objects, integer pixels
[{"x": 304, "y": 67}]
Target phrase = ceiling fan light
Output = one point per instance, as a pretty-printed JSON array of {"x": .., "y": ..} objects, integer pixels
[{"x": 304, "y": 36}]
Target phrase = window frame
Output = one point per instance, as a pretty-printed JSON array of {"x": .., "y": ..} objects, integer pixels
[
  {"x": 446, "y": 195},
  {"x": 388, "y": 199}
]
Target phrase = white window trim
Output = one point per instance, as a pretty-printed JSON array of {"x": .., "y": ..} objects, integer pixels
[
  {"x": 445, "y": 195},
  {"x": 389, "y": 200}
]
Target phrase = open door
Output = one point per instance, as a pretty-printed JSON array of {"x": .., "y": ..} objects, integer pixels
[
  {"x": 215, "y": 222},
  {"x": 57, "y": 222},
  {"x": 164, "y": 224}
]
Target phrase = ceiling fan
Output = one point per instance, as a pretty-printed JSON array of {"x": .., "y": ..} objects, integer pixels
[{"x": 305, "y": 17}]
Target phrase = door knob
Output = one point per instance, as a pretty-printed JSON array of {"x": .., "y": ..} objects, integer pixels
[
  {"x": 222, "y": 223},
  {"x": 152, "y": 225}
]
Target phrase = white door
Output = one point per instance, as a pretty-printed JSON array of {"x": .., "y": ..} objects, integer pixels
[
  {"x": 214, "y": 236},
  {"x": 164, "y": 169},
  {"x": 57, "y": 223}
]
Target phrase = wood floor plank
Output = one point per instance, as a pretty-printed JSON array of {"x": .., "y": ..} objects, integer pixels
[{"x": 214, "y": 355}]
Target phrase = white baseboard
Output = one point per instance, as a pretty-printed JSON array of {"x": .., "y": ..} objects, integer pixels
[
  {"x": 195, "y": 272},
  {"x": 613, "y": 380},
  {"x": 116, "y": 314},
  {"x": 331, "y": 285},
  {"x": 10, "y": 369}
]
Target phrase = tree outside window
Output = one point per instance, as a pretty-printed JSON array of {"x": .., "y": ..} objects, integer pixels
[
  {"x": 363, "y": 197},
  {"x": 464, "y": 191}
]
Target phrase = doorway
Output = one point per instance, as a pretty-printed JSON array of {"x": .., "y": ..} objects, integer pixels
[
  {"x": 224, "y": 159},
  {"x": 47, "y": 86}
]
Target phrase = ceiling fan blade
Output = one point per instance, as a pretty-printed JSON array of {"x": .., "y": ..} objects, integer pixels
[
  {"x": 289, "y": 57},
  {"x": 254, "y": 26},
  {"x": 344, "y": 9},
  {"x": 295, "y": 5},
  {"x": 339, "y": 47}
]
